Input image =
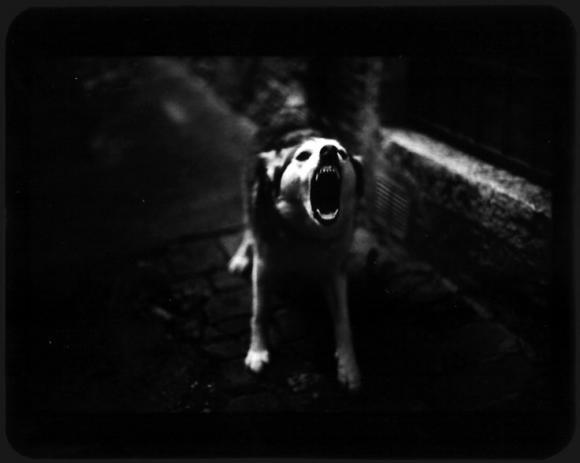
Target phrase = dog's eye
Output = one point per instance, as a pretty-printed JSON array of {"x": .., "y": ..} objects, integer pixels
[
  {"x": 303, "y": 156},
  {"x": 342, "y": 154}
]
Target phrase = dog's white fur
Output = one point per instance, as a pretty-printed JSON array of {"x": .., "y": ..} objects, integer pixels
[{"x": 306, "y": 246}]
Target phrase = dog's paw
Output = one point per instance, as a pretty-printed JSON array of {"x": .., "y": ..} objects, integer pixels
[
  {"x": 239, "y": 264},
  {"x": 348, "y": 372},
  {"x": 257, "y": 359}
]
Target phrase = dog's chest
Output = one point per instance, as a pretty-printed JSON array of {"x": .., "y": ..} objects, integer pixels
[{"x": 308, "y": 258}]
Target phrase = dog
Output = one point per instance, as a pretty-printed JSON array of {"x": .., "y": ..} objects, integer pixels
[{"x": 300, "y": 215}]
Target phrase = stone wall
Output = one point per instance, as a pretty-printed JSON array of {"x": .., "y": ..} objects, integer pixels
[{"x": 487, "y": 229}]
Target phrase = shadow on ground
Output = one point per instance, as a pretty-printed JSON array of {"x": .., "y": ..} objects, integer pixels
[{"x": 181, "y": 330}]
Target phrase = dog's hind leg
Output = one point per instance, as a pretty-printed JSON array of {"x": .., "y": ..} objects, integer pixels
[
  {"x": 258, "y": 355},
  {"x": 347, "y": 367},
  {"x": 242, "y": 259}
]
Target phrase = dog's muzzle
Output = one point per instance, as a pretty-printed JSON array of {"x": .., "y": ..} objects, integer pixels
[{"x": 325, "y": 189}]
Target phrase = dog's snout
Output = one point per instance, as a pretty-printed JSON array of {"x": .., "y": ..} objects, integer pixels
[{"x": 329, "y": 153}]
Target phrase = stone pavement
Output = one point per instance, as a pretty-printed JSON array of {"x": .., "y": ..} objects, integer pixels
[{"x": 180, "y": 328}]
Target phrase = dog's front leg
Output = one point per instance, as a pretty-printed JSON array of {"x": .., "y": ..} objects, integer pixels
[
  {"x": 336, "y": 295},
  {"x": 258, "y": 355},
  {"x": 240, "y": 261}
]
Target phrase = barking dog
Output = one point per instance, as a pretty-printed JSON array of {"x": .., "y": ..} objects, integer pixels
[{"x": 300, "y": 209}]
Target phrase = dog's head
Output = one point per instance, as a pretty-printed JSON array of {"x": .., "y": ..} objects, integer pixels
[{"x": 315, "y": 184}]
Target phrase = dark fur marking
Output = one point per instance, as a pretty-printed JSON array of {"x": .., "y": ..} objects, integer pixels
[
  {"x": 358, "y": 170},
  {"x": 262, "y": 211}
]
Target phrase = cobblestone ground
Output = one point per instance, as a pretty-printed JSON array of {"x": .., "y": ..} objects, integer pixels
[{"x": 181, "y": 329}]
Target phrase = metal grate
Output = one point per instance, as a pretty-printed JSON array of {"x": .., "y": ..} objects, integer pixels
[
  {"x": 391, "y": 207},
  {"x": 508, "y": 115}
]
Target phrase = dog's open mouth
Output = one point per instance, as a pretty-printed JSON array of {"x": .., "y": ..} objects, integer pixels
[{"x": 325, "y": 193}]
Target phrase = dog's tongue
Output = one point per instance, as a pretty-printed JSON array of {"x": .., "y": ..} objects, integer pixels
[{"x": 325, "y": 194}]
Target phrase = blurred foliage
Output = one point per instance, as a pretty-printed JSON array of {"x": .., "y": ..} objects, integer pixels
[
  {"x": 254, "y": 86},
  {"x": 98, "y": 106},
  {"x": 249, "y": 84},
  {"x": 93, "y": 88}
]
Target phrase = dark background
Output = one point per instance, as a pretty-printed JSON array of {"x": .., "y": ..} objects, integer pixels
[{"x": 54, "y": 258}]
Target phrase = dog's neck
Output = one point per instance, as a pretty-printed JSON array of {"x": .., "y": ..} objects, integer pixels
[{"x": 283, "y": 229}]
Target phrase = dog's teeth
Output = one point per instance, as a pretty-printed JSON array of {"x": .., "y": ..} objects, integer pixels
[
  {"x": 328, "y": 216},
  {"x": 328, "y": 170}
]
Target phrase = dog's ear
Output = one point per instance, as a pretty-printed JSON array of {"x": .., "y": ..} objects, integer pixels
[
  {"x": 357, "y": 163},
  {"x": 273, "y": 164}
]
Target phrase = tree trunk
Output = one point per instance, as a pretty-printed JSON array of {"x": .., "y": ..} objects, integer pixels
[{"x": 343, "y": 96}]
